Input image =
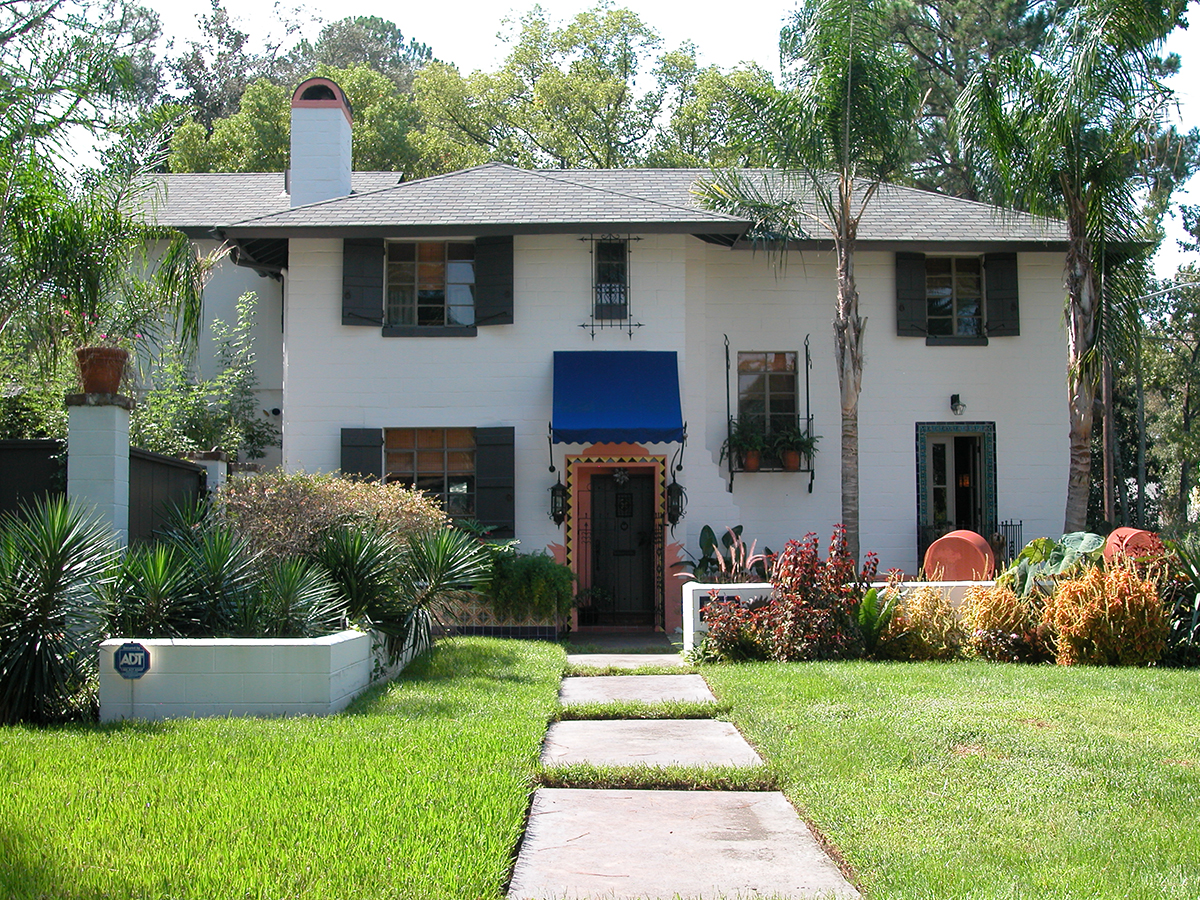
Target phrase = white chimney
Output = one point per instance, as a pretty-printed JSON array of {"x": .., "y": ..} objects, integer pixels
[{"x": 321, "y": 162}]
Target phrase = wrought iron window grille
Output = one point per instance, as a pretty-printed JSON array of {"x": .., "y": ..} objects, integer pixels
[{"x": 610, "y": 296}]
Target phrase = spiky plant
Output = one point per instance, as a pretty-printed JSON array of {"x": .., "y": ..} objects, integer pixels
[{"x": 52, "y": 559}]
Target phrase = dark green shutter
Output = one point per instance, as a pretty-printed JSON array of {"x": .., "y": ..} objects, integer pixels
[
  {"x": 362, "y": 282},
  {"x": 494, "y": 280},
  {"x": 362, "y": 452},
  {"x": 1003, "y": 309},
  {"x": 495, "y": 480},
  {"x": 910, "y": 295}
]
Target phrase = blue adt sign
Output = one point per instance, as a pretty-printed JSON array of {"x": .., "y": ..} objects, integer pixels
[{"x": 132, "y": 660}]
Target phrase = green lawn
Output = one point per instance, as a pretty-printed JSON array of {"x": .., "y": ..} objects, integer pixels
[
  {"x": 978, "y": 780},
  {"x": 419, "y": 791}
]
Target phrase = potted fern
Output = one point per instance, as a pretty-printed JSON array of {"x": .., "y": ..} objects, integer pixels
[
  {"x": 793, "y": 445},
  {"x": 747, "y": 441}
]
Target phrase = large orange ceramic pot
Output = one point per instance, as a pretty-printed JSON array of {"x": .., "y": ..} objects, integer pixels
[
  {"x": 101, "y": 368},
  {"x": 959, "y": 556}
]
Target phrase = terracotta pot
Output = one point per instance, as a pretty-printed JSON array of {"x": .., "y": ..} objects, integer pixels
[
  {"x": 791, "y": 460},
  {"x": 751, "y": 460},
  {"x": 1134, "y": 543},
  {"x": 959, "y": 556},
  {"x": 101, "y": 368}
]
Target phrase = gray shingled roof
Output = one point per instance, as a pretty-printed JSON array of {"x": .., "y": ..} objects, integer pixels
[
  {"x": 497, "y": 198},
  {"x": 493, "y": 198},
  {"x": 197, "y": 203}
]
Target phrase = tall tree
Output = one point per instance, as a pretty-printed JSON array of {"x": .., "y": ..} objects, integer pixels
[
  {"x": 358, "y": 41},
  {"x": 840, "y": 130},
  {"x": 949, "y": 41},
  {"x": 1055, "y": 132},
  {"x": 565, "y": 96},
  {"x": 256, "y": 138}
]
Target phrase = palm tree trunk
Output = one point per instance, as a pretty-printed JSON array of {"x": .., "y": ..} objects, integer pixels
[
  {"x": 1081, "y": 316},
  {"x": 848, "y": 331}
]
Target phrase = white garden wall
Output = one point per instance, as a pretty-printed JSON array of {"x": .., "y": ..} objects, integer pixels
[{"x": 201, "y": 677}]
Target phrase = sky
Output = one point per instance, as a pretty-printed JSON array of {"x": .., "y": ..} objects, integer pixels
[{"x": 465, "y": 33}]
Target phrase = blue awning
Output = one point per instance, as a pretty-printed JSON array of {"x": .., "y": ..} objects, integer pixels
[{"x": 616, "y": 396}]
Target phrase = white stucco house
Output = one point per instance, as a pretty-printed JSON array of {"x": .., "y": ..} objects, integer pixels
[{"x": 465, "y": 333}]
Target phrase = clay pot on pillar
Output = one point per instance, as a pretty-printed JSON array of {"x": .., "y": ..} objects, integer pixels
[{"x": 101, "y": 368}]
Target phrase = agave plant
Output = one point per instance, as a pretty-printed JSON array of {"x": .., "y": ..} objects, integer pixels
[{"x": 52, "y": 560}]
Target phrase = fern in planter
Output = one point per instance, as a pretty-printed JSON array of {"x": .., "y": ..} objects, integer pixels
[{"x": 531, "y": 585}]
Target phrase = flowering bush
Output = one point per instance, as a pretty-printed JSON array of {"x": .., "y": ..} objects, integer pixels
[
  {"x": 924, "y": 626},
  {"x": 284, "y": 514},
  {"x": 1108, "y": 616},
  {"x": 1002, "y": 626},
  {"x": 811, "y": 613}
]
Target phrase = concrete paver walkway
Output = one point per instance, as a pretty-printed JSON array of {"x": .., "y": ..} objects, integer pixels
[
  {"x": 648, "y": 742},
  {"x": 624, "y": 660},
  {"x": 622, "y": 845},
  {"x": 642, "y": 688},
  {"x": 659, "y": 845}
]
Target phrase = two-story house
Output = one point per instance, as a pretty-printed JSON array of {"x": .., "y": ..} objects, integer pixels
[{"x": 465, "y": 333}]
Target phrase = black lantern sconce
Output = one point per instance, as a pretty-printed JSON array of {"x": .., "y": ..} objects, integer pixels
[
  {"x": 676, "y": 502},
  {"x": 676, "y": 495},
  {"x": 956, "y": 405},
  {"x": 560, "y": 499}
]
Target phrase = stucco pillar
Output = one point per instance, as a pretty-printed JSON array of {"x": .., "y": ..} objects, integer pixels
[{"x": 98, "y": 457}]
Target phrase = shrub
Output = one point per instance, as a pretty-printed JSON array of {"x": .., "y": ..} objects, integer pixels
[
  {"x": 1002, "y": 626},
  {"x": 147, "y": 594},
  {"x": 531, "y": 584},
  {"x": 925, "y": 626},
  {"x": 736, "y": 633},
  {"x": 287, "y": 514},
  {"x": 1107, "y": 616},
  {"x": 1180, "y": 593},
  {"x": 813, "y": 613},
  {"x": 51, "y": 560}
]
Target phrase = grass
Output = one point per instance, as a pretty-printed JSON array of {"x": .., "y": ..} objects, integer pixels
[
  {"x": 420, "y": 790},
  {"x": 978, "y": 781},
  {"x": 637, "y": 709},
  {"x": 575, "y": 669},
  {"x": 658, "y": 778}
]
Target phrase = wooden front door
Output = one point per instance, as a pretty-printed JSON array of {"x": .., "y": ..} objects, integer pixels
[{"x": 623, "y": 547}]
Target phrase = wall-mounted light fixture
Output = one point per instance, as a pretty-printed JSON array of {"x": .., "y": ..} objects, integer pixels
[
  {"x": 956, "y": 405},
  {"x": 676, "y": 502},
  {"x": 560, "y": 499}
]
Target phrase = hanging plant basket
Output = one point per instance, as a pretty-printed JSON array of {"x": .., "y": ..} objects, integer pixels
[{"x": 101, "y": 368}]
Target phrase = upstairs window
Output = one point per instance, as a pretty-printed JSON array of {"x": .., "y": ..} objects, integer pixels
[
  {"x": 954, "y": 296},
  {"x": 430, "y": 283},
  {"x": 612, "y": 280},
  {"x": 959, "y": 300},
  {"x": 767, "y": 390}
]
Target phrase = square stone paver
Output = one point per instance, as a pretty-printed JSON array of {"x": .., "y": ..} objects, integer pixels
[
  {"x": 647, "y": 742},
  {"x": 624, "y": 660},
  {"x": 644, "y": 688},
  {"x": 621, "y": 845}
]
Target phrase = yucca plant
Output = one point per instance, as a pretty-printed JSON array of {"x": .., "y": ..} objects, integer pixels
[
  {"x": 434, "y": 569},
  {"x": 52, "y": 561},
  {"x": 875, "y": 612},
  {"x": 362, "y": 565},
  {"x": 220, "y": 573},
  {"x": 298, "y": 599},
  {"x": 146, "y": 594}
]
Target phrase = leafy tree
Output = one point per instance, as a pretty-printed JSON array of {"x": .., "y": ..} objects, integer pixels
[
  {"x": 949, "y": 42},
  {"x": 699, "y": 109},
  {"x": 256, "y": 138},
  {"x": 1055, "y": 132},
  {"x": 358, "y": 41},
  {"x": 565, "y": 97},
  {"x": 835, "y": 135}
]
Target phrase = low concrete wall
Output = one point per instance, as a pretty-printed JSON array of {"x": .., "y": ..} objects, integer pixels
[
  {"x": 200, "y": 677},
  {"x": 696, "y": 595}
]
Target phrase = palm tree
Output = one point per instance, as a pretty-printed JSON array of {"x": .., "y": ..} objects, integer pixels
[
  {"x": 841, "y": 130},
  {"x": 1055, "y": 133}
]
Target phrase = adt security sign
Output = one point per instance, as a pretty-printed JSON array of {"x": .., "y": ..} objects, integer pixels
[{"x": 132, "y": 660}]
